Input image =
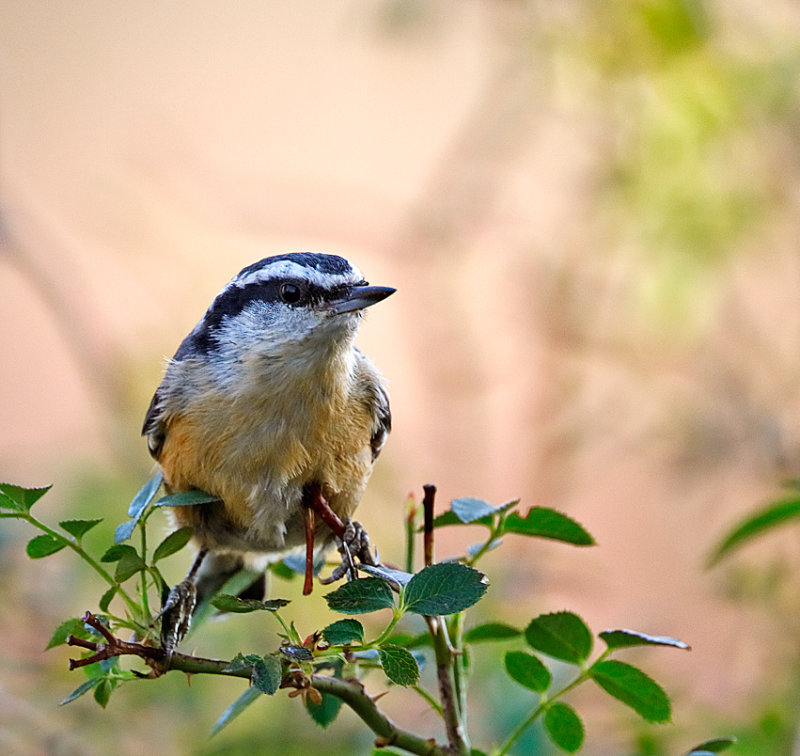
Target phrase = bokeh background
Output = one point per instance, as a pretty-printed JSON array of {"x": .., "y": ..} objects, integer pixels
[{"x": 590, "y": 211}]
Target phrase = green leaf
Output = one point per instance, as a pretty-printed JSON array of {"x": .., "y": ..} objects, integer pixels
[
  {"x": 564, "y": 726},
  {"x": 282, "y": 571},
  {"x": 78, "y": 528},
  {"x": 451, "y": 518},
  {"x": 615, "y": 639},
  {"x": 44, "y": 545},
  {"x": 187, "y": 499},
  {"x": 326, "y": 712},
  {"x": 562, "y": 635},
  {"x": 173, "y": 543},
  {"x": 241, "y": 662},
  {"x": 468, "y": 509},
  {"x": 399, "y": 665},
  {"x": 128, "y": 566},
  {"x": 528, "y": 670},
  {"x": 64, "y": 630},
  {"x": 768, "y": 517},
  {"x": 491, "y": 631},
  {"x": 236, "y": 708},
  {"x": 344, "y": 632},
  {"x": 634, "y": 688},
  {"x": 103, "y": 690},
  {"x": 80, "y": 690},
  {"x": 444, "y": 588},
  {"x": 542, "y": 522},
  {"x": 116, "y": 552},
  {"x": 361, "y": 596},
  {"x": 144, "y": 496},
  {"x": 267, "y": 674},
  {"x": 717, "y": 745},
  {"x": 105, "y": 599},
  {"x": 225, "y": 602},
  {"x": 19, "y": 498}
]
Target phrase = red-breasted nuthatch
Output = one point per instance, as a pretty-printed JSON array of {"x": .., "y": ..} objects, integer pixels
[{"x": 265, "y": 397}]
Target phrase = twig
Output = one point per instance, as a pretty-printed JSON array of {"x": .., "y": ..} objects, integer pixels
[
  {"x": 427, "y": 508},
  {"x": 350, "y": 692},
  {"x": 456, "y": 734},
  {"x": 353, "y": 694}
]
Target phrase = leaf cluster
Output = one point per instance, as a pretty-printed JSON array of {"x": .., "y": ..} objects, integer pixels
[{"x": 328, "y": 667}]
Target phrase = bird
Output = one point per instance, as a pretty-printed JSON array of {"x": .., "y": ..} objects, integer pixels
[{"x": 266, "y": 399}]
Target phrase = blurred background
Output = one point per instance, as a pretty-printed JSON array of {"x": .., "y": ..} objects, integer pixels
[{"x": 590, "y": 212}]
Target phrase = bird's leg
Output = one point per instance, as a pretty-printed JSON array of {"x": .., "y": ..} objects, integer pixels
[
  {"x": 176, "y": 614},
  {"x": 353, "y": 539},
  {"x": 310, "y": 531}
]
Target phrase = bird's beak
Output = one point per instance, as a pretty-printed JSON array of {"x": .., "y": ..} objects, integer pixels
[{"x": 359, "y": 297}]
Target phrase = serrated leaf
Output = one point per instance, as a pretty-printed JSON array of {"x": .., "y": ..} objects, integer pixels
[
  {"x": 622, "y": 638},
  {"x": 105, "y": 599},
  {"x": 22, "y": 499},
  {"x": 562, "y": 635},
  {"x": 361, "y": 596},
  {"x": 225, "y": 602},
  {"x": 542, "y": 522},
  {"x": 78, "y": 528},
  {"x": 63, "y": 631},
  {"x": 173, "y": 543},
  {"x": 297, "y": 653},
  {"x": 80, "y": 690},
  {"x": 267, "y": 674},
  {"x": 564, "y": 726},
  {"x": 634, "y": 688},
  {"x": 241, "y": 662},
  {"x": 717, "y": 745},
  {"x": 344, "y": 632},
  {"x": 44, "y": 545},
  {"x": 187, "y": 499},
  {"x": 399, "y": 665},
  {"x": 469, "y": 509},
  {"x": 326, "y": 712},
  {"x": 236, "y": 708},
  {"x": 444, "y": 588},
  {"x": 128, "y": 566},
  {"x": 766, "y": 518},
  {"x": 528, "y": 670},
  {"x": 491, "y": 631}
]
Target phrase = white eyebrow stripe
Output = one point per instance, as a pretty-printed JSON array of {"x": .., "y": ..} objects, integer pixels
[{"x": 290, "y": 269}]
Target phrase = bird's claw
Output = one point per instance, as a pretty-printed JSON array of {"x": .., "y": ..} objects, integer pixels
[
  {"x": 354, "y": 544},
  {"x": 176, "y": 615}
]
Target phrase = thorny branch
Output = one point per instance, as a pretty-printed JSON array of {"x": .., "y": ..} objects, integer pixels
[{"x": 349, "y": 691}]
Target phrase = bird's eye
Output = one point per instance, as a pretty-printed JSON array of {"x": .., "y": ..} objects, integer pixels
[{"x": 290, "y": 293}]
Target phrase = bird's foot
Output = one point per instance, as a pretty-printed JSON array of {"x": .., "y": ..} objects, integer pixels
[
  {"x": 176, "y": 615},
  {"x": 354, "y": 544}
]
